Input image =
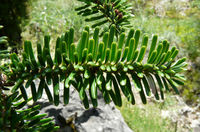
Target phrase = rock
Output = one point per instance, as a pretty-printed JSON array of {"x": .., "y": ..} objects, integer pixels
[
  {"x": 197, "y": 108},
  {"x": 185, "y": 110},
  {"x": 105, "y": 118},
  {"x": 196, "y": 125},
  {"x": 197, "y": 129},
  {"x": 187, "y": 118},
  {"x": 165, "y": 114}
]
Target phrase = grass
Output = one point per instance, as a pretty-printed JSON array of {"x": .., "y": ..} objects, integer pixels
[
  {"x": 179, "y": 27},
  {"x": 178, "y": 22},
  {"x": 179, "y": 32},
  {"x": 143, "y": 118},
  {"x": 50, "y": 17}
]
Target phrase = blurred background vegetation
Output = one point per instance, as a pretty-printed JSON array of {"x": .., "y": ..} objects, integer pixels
[
  {"x": 13, "y": 14},
  {"x": 178, "y": 21}
]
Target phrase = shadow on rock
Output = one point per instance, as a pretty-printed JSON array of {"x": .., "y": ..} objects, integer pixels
[{"x": 84, "y": 117}]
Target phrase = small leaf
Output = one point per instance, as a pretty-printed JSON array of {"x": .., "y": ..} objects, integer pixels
[
  {"x": 107, "y": 57},
  {"x": 49, "y": 61},
  {"x": 100, "y": 23},
  {"x": 94, "y": 89},
  {"x": 152, "y": 57},
  {"x": 111, "y": 35},
  {"x": 165, "y": 84},
  {"x": 48, "y": 93},
  {"x": 160, "y": 85},
  {"x": 69, "y": 78},
  {"x": 23, "y": 91},
  {"x": 173, "y": 85},
  {"x": 113, "y": 51},
  {"x": 56, "y": 89},
  {"x": 123, "y": 79},
  {"x": 96, "y": 41},
  {"x": 105, "y": 40},
  {"x": 152, "y": 86},
  {"x": 174, "y": 54},
  {"x": 145, "y": 40},
  {"x": 87, "y": 74},
  {"x": 137, "y": 37},
  {"x": 136, "y": 82},
  {"x": 131, "y": 49},
  {"x": 82, "y": 44},
  {"x": 125, "y": 54},
  {"x": 142, "y": 53},
  {"x": 66, "y": 94},
  {"x": 84, "y": 55},
  {"x": 159, "y": 50},
  {"x": 117, "y": 92},
  {"x": 40, "y": 88},
  {"x": 100, "y": 51},
  {"x": 135, "y": 55},
  {"x": 179, "y": 82},
  {"x": 108, "y": 82},
  {"x": 94, "y": 101},
  {"x": 33, "y": 91},
  {"x": 130, "y": 35},
  {"x": 18, "y": 83},
  {"x": 91, "y": 46},
  {"x": 121, "y": 40},
  {"x": 167, "y": 57},
  {"x": 118, "y": 56},
  {"x": 40, "y": 57},
  {"x": 146, "y": 86},
  {"x": 180, "y": 61}
]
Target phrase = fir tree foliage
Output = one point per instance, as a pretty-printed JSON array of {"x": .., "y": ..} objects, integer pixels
[
  {"x": 12, "y": 15},
  {"x": 98, "y": 64},
  {"x": 13, "y": 116},
  {"x": 3, "y": 44},
  {"x": 101, "y": 12}
]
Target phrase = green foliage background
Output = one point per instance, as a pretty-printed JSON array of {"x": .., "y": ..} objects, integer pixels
[
  {"x": 12, "y": 16},
  {"x": 179, "y": 23},
  {"x": 48, "y": 17}
]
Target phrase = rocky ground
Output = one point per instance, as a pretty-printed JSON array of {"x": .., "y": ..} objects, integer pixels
[
  {"x": 73, "y": 117},
  {"x": 185, "y": 117},
  {"x": 106, "y": 118}
]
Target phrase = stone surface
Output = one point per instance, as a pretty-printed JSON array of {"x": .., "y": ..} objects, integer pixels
[
  {"x": 187, "y": 118},
  {"x": 105, "y": 118}
]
